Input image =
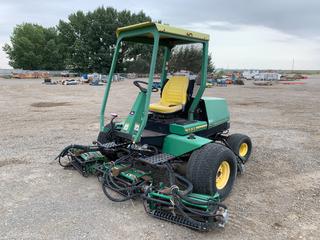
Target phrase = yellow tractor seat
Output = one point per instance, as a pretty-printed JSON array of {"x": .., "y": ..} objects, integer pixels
[{"x": 174, "y": 96}]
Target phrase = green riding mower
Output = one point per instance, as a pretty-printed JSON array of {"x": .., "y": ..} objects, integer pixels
[{"x": 175, "y": 155}]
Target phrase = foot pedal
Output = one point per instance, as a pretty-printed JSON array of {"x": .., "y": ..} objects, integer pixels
[{"x": 157, "y": 159}]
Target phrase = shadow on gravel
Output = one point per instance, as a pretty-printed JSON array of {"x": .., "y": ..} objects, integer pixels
[
  {"x": 250, "y": 103},
  {"x": 50, "y": 104}
]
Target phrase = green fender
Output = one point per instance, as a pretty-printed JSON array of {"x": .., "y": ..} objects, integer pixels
[{"x": 178, "y": 145}]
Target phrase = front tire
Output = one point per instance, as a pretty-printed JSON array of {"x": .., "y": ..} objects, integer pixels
[
  {"x": 241, "y": 145},
  {"x": 212, "y": 169}
]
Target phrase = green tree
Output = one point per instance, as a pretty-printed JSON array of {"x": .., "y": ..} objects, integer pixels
[
  {"x": 34, "y": 47},
  {"x": 86, "y": 43},
  {"x": 88, "y": 39},
  {"x": 188, "y": 58}
]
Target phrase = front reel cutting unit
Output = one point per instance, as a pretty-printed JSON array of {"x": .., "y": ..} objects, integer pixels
[{"x": 127, "y": 171}]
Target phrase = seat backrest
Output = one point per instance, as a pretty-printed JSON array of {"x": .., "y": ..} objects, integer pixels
[{"x": 175, "y": 91}]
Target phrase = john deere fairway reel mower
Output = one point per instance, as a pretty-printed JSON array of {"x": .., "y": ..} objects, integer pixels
[{"x": 175, "y": 155}]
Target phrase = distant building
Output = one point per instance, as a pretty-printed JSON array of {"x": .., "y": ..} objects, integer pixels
[
  {"x": 186, "y": 73},
  {"x": 267, "y": 76},
  {"x": 249, "y": 74}
]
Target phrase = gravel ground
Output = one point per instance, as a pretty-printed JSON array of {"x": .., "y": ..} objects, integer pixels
[{"x": 277, "y": 198}]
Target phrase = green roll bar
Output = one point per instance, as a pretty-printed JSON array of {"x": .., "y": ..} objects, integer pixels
[
  {"x": 203, "y": 81},
  {"x": 166, "y": 57},
  {"x": 156, "y": 41},
  {"x": 121, "y": 37}
]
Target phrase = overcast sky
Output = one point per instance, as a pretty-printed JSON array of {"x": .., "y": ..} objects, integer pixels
[{"x": 244, "y": 33}]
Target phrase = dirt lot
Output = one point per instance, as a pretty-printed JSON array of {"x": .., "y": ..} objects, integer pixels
[{"x": 277, "y": 198}]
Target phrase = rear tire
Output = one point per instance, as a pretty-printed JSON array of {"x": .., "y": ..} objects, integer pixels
[
  {"x": 212, "y": 169},
  {"x": 241, "y": 145}
]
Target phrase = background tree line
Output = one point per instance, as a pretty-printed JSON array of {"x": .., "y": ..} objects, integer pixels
[{"x": 85, "y": 43}]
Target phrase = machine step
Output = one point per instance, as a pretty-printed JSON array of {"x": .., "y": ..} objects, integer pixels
[
  {"x": 109, "y": 145},
  {"x": 157, "y": 159}
]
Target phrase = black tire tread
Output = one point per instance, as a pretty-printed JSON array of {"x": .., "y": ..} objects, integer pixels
[
  {"x": 201, "y": 164},
  {"x": 234, "y": 141}
]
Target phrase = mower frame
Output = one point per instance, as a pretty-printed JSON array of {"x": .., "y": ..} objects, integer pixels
[{"x": 132, "y": 157}]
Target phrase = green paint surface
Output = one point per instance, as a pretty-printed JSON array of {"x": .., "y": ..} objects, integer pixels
[
  {"x": 194, "y": 196},
  {"x": 178, "y": 145},
  {"x": 133, "y": 122},
  {"x": 217, "y": 111},
  {"x": 188, "y": 128}
]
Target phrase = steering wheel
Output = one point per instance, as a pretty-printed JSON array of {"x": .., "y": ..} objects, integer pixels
[{"x": 142, "y": 89}]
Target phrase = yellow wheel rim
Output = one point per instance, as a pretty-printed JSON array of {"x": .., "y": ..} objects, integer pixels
[
  {"x": 223, "y": 175},
  {"x": 243, "y": 150}
]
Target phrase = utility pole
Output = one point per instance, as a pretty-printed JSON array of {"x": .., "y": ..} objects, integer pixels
[{"x": 292, "y": 64}]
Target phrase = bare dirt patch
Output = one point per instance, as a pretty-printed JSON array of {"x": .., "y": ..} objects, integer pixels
[
  {"x": 276, "y": 198},
  {"x": 12, "y": 162}
]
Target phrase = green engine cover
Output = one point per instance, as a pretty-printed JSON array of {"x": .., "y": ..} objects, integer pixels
[
  {"x": 217, "y": 111},
  {"x": 178, "y": 145},
  {"x": 184, "y": 129}
]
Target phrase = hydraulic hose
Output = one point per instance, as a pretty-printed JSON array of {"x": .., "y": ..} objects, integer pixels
[
  {"x": 66, "y": 150},
  {"x": 188, "y": 184},
  {"x": 183, "y": 194},
  {"x": 115, "y": 199},
  {"x": 111, "y": 184},
  {"x": 106, "y": 184},
  {"x": 171, "y": 174}
]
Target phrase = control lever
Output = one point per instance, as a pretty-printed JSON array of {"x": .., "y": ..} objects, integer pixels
[{"x": 113, "y": 117}]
